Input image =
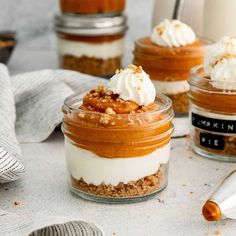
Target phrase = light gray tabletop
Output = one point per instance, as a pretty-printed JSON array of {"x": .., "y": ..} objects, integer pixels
[{"x": 176, "y": 211}]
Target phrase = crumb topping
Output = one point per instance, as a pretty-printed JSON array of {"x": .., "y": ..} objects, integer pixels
[
  {"x": 160, "y": 30},
  {"x": 17, "y": 203},
  {"x": 177, "y": 26},
  {"x": 136, "y": 69},
  {"x": 109, "y": 111},
  {"x": 104, "y": 120},
  {"x": 230, "y": 45},
  {"x": 104, "y": 101},
  {"x": 117, "y": 71},
  {"x": 227, "y": 56}
]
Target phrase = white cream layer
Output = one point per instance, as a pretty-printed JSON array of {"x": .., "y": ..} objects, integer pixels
[
  {"x": 104, "y": 50},
  {"x": 171, "y": 87},
  {"x": 96, "y": 170}
]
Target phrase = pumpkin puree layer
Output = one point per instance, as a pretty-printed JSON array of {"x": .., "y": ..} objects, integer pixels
[
  {"x": 92, "y": 6},
  {"x": 168, "y": 64},
  {"x": 112, "y": 127}
]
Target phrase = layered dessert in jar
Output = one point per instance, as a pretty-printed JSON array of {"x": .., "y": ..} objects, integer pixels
[
  {"x": 91, "y": 45},
  {"x": 117, "y": 139},
  {"x": 168, "y": 55},
  {"x": 92, "y": 6},
  {"x": 213, "y": 98}
]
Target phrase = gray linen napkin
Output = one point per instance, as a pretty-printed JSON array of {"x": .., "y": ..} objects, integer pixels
[
  {"x": 41, "y": 225},
  {"x": 10, "y": 166},
  {"x": 30, "y": 108}
]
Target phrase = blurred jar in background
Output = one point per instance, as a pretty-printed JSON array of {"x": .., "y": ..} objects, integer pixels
[{"x": 91, "y": 44}]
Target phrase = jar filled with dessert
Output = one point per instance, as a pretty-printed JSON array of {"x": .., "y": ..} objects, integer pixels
[
  {"x": 117, "y": 139},
  {"x": 92, "y": 6},
  {"x": 168, "y": 55},
  {"x": 91, "y": 44},
  {"x": 213, "y": 102}
]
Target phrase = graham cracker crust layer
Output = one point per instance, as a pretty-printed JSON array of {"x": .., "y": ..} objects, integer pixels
[
  {"x": 229, "y": 145},
  {"x": 180, "y": 102},
  {"x": 91, "y": 65},
  {"x": 141, "y": 187}
]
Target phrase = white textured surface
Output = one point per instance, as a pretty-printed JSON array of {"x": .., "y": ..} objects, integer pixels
[
  {"x": 176, "y": 211},
  {"x": 81, "y": 163}
]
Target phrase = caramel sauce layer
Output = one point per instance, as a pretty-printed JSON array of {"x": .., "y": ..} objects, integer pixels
[
  {"x": 92, "y": 6},
  {"x": 112, "y": 128},
  {"x": 91, "y": 39},
  {"x": 168, "y": 64}
]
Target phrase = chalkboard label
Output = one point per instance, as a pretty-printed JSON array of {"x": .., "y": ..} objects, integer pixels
[
  {"x": 212, "y": 141},
  {"x": 214, "y": 125}
]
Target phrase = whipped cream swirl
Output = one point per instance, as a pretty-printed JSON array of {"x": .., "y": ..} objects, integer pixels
[
  {"x": 133, "y": 84},
  {"x": 220, "y": 63},
  {"x": 173, "y": 33}
]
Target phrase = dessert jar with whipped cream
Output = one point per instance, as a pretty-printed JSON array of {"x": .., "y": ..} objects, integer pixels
[
  {"x": 168, "y": 55},
  {"x": 213, "y": 102},
  {"x": 117, "y": 139},
  {"x": 92, "y": 6},
  {"x": 92, "y": 45}
]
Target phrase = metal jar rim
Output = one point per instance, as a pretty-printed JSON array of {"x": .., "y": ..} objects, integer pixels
[{"x": 90, "y": 25}]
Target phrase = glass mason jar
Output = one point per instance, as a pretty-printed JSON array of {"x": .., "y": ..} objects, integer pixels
[
  {"x": 117, "y": 158},
  {"x": 91, "y": 44},
  {"x": 92, "y": 6},
  {"x": 169, "y": 68},
  {"x": 213, "y": 116}
]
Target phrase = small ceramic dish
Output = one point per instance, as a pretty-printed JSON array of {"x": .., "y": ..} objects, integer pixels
[{"x": 7, "y": 44}]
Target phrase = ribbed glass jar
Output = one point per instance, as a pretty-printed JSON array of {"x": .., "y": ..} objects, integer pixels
[
  {"x": 213, "y": 116},
  {"x": 119, "y": 157},
  {"x": 91, "y": 44}
]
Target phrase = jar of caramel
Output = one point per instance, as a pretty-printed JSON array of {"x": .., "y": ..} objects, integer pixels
[
  {"x": 91, "y": 44},
  {"x": 213, "y": 115},
  {"x": 113, "y": 156},
  {"x": 92, "y": 6}
]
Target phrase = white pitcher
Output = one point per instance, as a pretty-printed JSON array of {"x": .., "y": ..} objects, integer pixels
[
  {"x": 209, "y": 18},
  {"x": 219, "y": 18},
  {"x": 191, "y": 14}
]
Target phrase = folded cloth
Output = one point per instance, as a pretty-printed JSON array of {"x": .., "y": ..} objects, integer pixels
[
  {"x": 45, "y": 226},
  {"x": 10, "y": 166},
  {"x": 30, "y": 109}
]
